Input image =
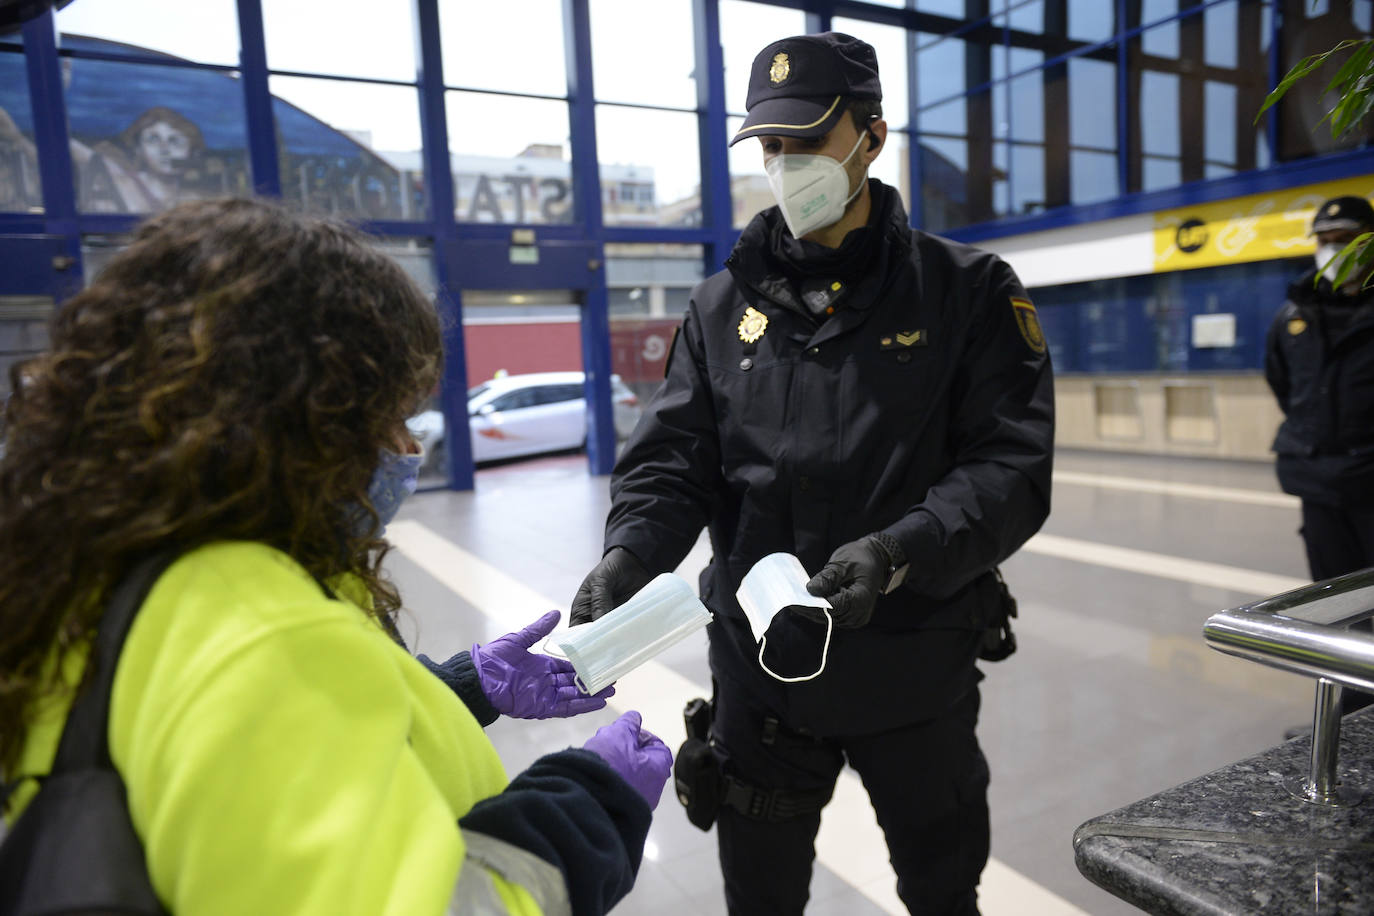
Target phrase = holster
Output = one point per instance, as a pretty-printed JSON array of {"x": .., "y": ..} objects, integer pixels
[
  {"x": 696, "y": 772},
  {"x": 998, "y": 639},
  {"x": 702, "y": 787}
]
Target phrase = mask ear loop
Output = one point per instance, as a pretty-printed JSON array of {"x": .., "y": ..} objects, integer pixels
[
  {"x": 550, "y": 651},
  {"x": 825, "y": 655}
]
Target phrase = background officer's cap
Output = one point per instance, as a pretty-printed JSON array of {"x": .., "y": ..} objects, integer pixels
[
  {"x": 1343, "y": 213},
  {"x": 799, "y": 86}
]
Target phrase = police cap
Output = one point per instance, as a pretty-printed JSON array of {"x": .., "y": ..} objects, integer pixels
[
  {"x": 799, "y": 86},
  {"x": 1343, "y": 213}
]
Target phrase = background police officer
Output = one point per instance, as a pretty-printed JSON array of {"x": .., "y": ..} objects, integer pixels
[
  {"x": 879, "y": 403},
  {"x": 1319, "y": 360}
]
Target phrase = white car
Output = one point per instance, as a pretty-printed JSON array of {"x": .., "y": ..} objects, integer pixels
[{"x": 517, "y": 415}]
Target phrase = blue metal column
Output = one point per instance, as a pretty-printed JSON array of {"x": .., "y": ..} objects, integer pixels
[
  {"x": 596, "y": 324},
  {"x": 1271, "y": 126},
  {"x": 1123, "y": 99},
  {"x": 257, "y": 100},
  {"x": 913, "y": 154},
  {"x": 717, "y": 202},
  {"x": 453, "y": 399},
  {"x": 54, "y": 150}
]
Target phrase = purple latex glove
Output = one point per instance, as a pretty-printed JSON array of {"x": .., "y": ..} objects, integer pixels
[
  {"x": 639, "y": 756},
  {"x": 531, "y": 685}
]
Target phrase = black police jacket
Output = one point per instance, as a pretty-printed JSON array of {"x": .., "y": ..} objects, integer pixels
[
  {"x": 1319, "y": 361},
  {"x": 923, "y": 407}
]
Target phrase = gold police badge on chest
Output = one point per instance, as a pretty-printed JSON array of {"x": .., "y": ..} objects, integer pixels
[
  {"x": 1296, "y": 326},
  {"x": 752, "y": 325}
]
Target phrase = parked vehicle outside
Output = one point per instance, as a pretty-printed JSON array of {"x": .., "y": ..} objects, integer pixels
[{"x": 518, "y": 415}]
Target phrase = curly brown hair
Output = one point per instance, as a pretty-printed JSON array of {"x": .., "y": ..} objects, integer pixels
[{"x": 232, "y": 374}]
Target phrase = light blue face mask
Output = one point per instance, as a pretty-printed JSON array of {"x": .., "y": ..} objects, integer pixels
[{"x": 395, "y": 479}]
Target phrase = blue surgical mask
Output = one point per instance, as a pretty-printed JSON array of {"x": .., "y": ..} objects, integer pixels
[{"x": 394, "y": 480}]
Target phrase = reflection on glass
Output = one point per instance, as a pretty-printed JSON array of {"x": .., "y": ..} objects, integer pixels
[
  {"x": 889, "y": 43},
  {"x": 539, "y": 68},
  {"x": 1158, "y": 112},
  {"x": 519, "y": 174},
  {"x": 351, "y": 149},
  {"x": 1092, "y": 176},
  {"x": 206, "y": 31},
  {"x": 1160, "y": 173},
  {"x": 745, "y": 30},
  {"x": 374, "y": 40},
  {"x": 1028, "y": 107},
  {"x": 649, "y": 287},
  {"x": 1091, "y": 20},
  {"x": 1221, "y": 27},
  {"x": 1027, "y": 179},
  {"x": 1092, "y": 103},
  {"x": 939, "y": 69},
  {"x": 1026, "y": 15},
  {"x": 650, "y": 167},
  {"x": 749, "y": 191},
  {"x": 1219, "y": 100},
  {"x": 628, "y": 68},
  {"x": 1161, "y": 40},
  {"x": 145, "y": 137},
  {"x": 943, "y": 7},
  {"x": 944, "y": 196},
  {"x": 20, "y": 189}
]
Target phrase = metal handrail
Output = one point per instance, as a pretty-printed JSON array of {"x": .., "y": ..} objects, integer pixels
[{"x": 1303, "y": 631}]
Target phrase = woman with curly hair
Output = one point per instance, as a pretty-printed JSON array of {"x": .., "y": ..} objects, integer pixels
[{"x": 234, "y": 386}]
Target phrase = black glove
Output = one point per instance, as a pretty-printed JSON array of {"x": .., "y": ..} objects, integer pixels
[
  {"x": 610, "y": 584},
  {"x": 852, "y": 579}
]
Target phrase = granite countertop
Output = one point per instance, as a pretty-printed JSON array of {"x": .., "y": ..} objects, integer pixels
[{"x": 1236, "y": 842}]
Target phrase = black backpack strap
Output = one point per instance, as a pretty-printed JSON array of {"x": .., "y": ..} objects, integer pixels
[{"x": 84, "y": 739}]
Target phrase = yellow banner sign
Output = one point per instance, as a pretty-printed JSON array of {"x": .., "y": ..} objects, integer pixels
[{"x": 1257, "y": 227}]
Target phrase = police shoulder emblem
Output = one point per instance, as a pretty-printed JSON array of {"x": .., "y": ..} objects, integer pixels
[
  {"x": 1296, "y": 326},
  {"x": 1028, "y": 323},
  {"x": 752, "y": 325},
  {"x": 781, "y": 69}
]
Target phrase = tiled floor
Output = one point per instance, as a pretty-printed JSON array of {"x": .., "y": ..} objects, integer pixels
[{"x": 1113, "y": 695}]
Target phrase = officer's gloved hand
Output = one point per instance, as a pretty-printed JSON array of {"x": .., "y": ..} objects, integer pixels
[
  {"x": 610, "y": 584},
  {"x": 531, "y": 685},
  {"x": 852, "y": 579},
  {"x": 638, "y": 755}
]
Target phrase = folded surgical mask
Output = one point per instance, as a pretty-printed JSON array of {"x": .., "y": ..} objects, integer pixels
[
  {"x": 662, "y": 613},
  {"x": 776, "y": 582},
  {"x": 811, "y": 190}
]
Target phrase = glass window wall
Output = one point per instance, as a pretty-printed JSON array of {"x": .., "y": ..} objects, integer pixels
[
  {"x": 521, "y": 173},
  {"x": 20, "y": 187}
]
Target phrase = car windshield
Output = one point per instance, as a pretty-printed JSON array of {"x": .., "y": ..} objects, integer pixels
[{"x": 474, "y": 392}]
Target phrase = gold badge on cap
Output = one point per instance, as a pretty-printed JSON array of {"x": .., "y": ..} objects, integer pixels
[
  {"x": 781, "y": 69},
  {"x": 1296, "y": 326},
  {"x": 1333, "y": 209},
  {"x": 752, "y": 325},
  {"x": 1029, "y": 323}
]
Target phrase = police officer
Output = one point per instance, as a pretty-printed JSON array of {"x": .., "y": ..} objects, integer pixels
[
  {"x": 1319, "y": 361},
  {"x": 878, "y": 402}
]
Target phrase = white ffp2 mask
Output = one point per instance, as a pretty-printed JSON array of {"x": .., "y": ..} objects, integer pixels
[
  {"x": 779, "y": 581},
  {"x": 660, "y": 614},
  {"x": 1329, "y": 261},
  {"x": 811, "y": 190}
]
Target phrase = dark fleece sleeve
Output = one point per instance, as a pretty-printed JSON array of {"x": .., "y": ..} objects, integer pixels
[
  {"x": 460, "y": 674},
  {"x": 575, "y": 812}
]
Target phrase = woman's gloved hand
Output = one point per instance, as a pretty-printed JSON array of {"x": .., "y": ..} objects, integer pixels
[
  {"x": 531, "y": 685},
  {"x": 638, "y": 755},
  {"x": 610, "y": 584}
]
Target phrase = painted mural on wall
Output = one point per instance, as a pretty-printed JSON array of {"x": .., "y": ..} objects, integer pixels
[{"x": 146, "y": 136}]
